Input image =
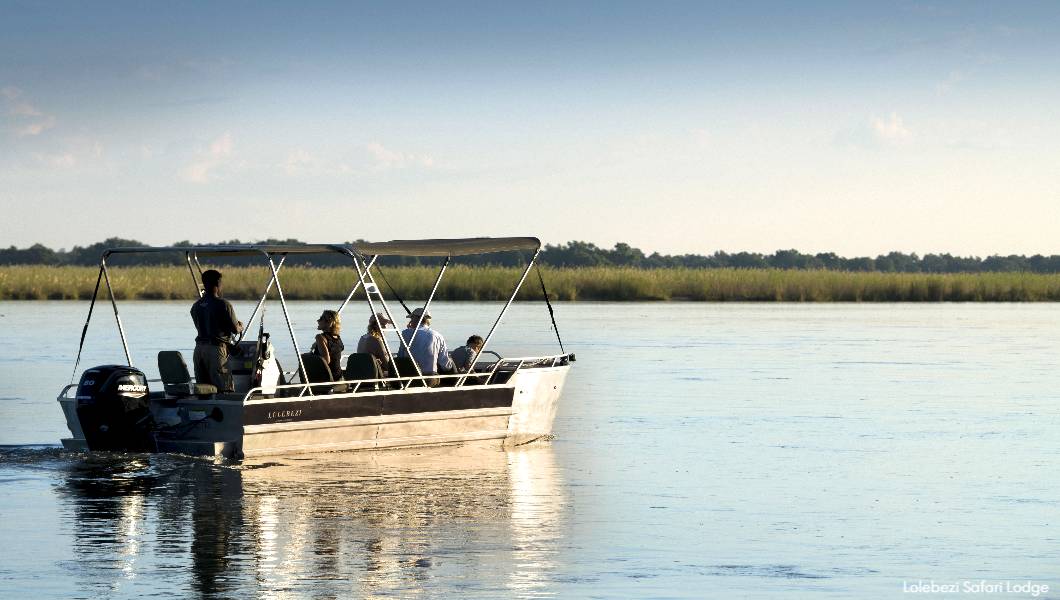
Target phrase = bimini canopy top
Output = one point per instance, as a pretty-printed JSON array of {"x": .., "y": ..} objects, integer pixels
[
  {"x": 233, "y": 249},
  {"x": 450, "y": 247},
  {"x": 454, "y": 247}
]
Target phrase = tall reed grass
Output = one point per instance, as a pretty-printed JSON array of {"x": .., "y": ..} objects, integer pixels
[{"x": 594, "y": 283}]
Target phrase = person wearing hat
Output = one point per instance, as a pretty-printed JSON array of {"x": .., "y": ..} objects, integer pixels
[
  {"x": 328, "y": 343},
  {"x": 215, "y": 323},
  {"x": 372, "y": 342},
  {"x": 428, "y": 347}
]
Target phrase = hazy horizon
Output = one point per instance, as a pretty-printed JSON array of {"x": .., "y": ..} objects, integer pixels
[
  {"x": 675, "y": 127},
  {"x": 607, "y": 248}
]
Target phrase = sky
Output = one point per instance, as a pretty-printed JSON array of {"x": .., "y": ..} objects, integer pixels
[{"x": 677, "y": 127}]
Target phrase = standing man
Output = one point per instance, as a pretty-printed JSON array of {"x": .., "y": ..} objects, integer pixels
[
  {"x": 215, "y": 322},
  {"x": 428, "y": 348}
]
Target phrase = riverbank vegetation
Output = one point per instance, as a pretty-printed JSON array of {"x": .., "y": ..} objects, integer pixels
[{"x": 578, "y": 284}]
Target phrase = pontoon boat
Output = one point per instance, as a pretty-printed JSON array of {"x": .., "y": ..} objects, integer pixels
[{"x": 512, "y": 400}]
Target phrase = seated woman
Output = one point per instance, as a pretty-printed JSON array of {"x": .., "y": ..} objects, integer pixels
[
  {"x": 328, "y": 344},
  {"x": 372, "y": 341}
]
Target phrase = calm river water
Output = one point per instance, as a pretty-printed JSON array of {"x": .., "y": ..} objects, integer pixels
[{"x": 700, "y": 451}]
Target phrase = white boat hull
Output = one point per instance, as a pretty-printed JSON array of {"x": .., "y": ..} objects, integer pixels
[{"x": 517, "y": 412}]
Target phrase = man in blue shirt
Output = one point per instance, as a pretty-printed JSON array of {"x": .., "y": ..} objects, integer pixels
[{"x": 427, "y": 346}]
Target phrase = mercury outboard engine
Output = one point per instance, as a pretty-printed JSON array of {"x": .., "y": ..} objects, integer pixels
[{"x": 113, "y": 407}]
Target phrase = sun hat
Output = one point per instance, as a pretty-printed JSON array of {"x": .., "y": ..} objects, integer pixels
[{"x": 383, "y": 321}]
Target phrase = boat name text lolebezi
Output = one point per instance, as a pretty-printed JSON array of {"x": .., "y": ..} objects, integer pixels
[{"x": 280, "y": 414}]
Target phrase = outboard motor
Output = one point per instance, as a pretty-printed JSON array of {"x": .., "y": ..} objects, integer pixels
[{"x": 113, "y": 407}]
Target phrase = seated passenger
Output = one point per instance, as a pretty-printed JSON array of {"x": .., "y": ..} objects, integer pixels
[
  {"x": 328, "y": 344},
  {"x": 463, "y": 355},
  {"x": 428, "y": 348},
  {"x": 372, "y": 342}
]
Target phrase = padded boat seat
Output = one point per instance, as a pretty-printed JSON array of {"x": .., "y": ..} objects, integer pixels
[
  {"x": 317, "y": 371},
  {"x": 407, "y": 368},
  {"x": 362, "y": 365},
  {"x": 176, "y": 379}
]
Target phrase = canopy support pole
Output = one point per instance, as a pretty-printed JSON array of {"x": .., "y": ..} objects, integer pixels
[
  {"x": 551, "y": 313},
  {"x": 268, "y": 289},
  {"x": 356, "y": 287},
  {"x": 198, "y": 267},
  {"x": 371, "y": 287},
  {"x": 194, "y": 282},
  {"x": 431, "y": 297},
  {"x": 84, "y": 330},
  {"x": 290, "y": 328},
  {"x": 114, "y": 305},
  {"x": 515, "y": 292}
]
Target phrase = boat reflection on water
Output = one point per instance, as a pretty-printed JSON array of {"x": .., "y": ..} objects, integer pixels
[{"x": 461, "y": 519}]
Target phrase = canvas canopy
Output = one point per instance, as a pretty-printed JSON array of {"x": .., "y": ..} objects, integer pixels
[
  {"x": 453, "y": 247},
  {"x": 440, "y": 247},
  {"x": 233, "y": 250}
]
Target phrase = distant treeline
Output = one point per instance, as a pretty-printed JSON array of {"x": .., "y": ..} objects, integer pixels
[{"x": 578, "y": 254}]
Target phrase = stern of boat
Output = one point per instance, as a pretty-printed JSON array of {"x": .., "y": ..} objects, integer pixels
[{"x": 68, "y": 403}]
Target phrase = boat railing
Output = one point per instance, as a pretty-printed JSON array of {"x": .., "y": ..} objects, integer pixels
[
  {"x": 505, "y": 365},
  {"x": 346, "y": 387}
]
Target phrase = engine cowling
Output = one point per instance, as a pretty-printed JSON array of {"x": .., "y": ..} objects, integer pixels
[{"x": 114, "y": 410}]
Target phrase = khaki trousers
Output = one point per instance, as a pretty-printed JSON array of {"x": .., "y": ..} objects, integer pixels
[{"x": 211, "y": 366}]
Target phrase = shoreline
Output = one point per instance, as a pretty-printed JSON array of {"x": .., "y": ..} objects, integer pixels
[{"x": 595, "y": 284}]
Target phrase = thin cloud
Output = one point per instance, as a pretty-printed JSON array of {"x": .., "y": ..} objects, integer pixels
[
  {"x": 891, "y": 130},
  {"x": 24, "y": 109},
  {"x": 64, "y": 160},
  {"x": 385, "y": 158},
  {"x": 222, "y": 146},
  {"x": 301, "y": 162},
  {"x": 26, "y": 119},
  {"x": 946, "y": 85},
  {"x": 876, "y": 133},
  {"x": 79, "y": 153},
  {"x": 36, "y": 128},
  {"x": 215, "y": 156},
  {"x": 298, "y": 161}
]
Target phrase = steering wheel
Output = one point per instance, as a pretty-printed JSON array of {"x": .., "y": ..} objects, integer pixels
[{"x": 499, "y": 357}]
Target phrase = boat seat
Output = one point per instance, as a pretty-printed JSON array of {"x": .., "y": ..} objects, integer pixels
[
  {"x": 317, "y": 371},
  {"x": 362, "y": 365},
  {"x": 406, "y": 368},
  {"x": 176, "y": 380},
  {"x": 502, "y": 374}
]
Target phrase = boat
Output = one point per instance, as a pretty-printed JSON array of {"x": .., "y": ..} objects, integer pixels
[{"x": 513, "y": 401}]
